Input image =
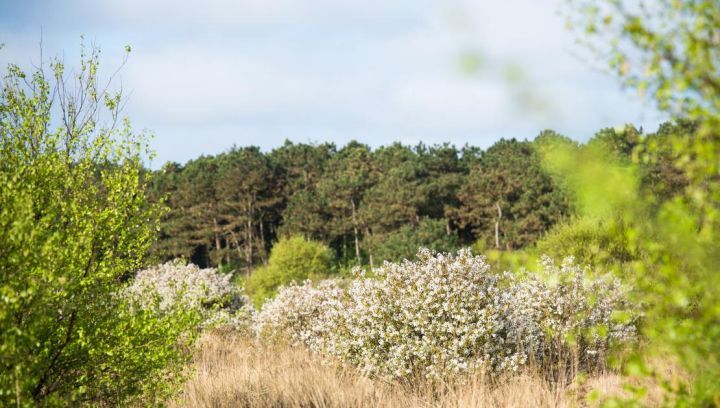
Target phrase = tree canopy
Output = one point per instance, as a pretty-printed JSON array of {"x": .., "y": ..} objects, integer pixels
[{"x": 228, "y": 210}]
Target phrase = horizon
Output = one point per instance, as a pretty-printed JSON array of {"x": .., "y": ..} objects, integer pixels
[{"x": 459, "y": 147}]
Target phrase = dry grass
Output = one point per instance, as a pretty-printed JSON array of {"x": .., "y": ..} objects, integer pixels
[{"x": 233, "y": 372}]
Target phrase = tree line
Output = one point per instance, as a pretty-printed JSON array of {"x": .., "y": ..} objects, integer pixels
[{"x": 371, "y": 205}]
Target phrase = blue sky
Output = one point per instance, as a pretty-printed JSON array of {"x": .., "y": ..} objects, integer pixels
[{"x": 205, "y": 75}]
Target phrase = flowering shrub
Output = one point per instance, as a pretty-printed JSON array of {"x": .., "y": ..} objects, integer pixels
[
  {"x": 298, "y": 312},
  {"x": 175, "y": 285},
  {"x": 446, "y": 315},
  {"x": 436, "y": 316},
  {"x": 566, "y": 319}
]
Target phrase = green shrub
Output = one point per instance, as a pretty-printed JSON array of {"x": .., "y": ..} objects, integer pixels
[
  {"x": 75, "y": 224},
  {"x": 589, "y": 240},
  {"x": 293, "y": 259},
  {"x": 518, "y": 262}
]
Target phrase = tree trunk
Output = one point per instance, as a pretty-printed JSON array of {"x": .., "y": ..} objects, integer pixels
[
  {"x": 263, "y": 249},
  {"x": 497, "y": 225},
  {"x": 248, "y": 245},
  {"x": 355, "y": 231},
  {"x": 237, "y": 244},
  {"x": 370, "y": 255},
  {"x": 344, "y": 247},
  {"x": 217, "y": 242}
]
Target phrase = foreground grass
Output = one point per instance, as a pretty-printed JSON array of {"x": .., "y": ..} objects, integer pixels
[{"x": 232, "y": 371}]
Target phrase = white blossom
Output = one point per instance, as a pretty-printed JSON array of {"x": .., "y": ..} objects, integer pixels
[
  {"x": 447, "y": 315},
  {"x": 177, "y": 285}
]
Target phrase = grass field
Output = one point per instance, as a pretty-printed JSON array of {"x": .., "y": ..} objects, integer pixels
[{"x": 232, "y": 371}]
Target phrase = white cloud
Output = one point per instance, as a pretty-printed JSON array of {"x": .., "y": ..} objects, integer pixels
[
  {"x": 181, "y": 84},
  {"x": 206, "y": 74}
]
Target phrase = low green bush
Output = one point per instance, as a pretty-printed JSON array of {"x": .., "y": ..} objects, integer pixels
[
  {"x": 293, "y": 259},
  {"x": 590, "y": 241}
]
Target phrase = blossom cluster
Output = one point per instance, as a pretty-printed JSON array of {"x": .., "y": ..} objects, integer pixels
[
  {"x": 175, "y": 284},
  {"x": 445, "y": 315},
  {"x": 298, "y": 311},
  {"x": 559, "y": 314}
]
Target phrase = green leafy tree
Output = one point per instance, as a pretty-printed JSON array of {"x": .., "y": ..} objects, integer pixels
[
  {"x": 395, "y": 200},
  {"x": 190, "y": 228},
  {"x": 173, "y": 238},
  {"x": 245, "y": 184},
  {"x": 293, "y": 259},
  {"x": 658, "y": 173},
  {"x": 301, "y": 167},
  {"x": 662, "y": 176},
  {"x": 403, "y": 243},
  {"x": 445, "y": 170},
  {"x": 670, "y": 51},
  {"x": 75, "y": 223},
  {"x": 307, "y": 214},
  {"x": 618, "y": 142},
  {"x": 348, "y": 175}
]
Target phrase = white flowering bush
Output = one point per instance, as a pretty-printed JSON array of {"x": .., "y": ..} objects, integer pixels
[
  {"x": 175, "y": 284},
  {"x": 297, "y": 312},
  {"x": 446, "y": 315},
  {"x": 562, "y": 318},
  {"x": 439, "y": 315}
]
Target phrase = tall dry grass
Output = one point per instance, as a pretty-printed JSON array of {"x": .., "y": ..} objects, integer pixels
[{"x": 231, "y": 371}]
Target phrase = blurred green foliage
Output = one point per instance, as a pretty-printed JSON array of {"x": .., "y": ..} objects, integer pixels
[
  {"x": 518, "y": 262},
  {"x": 668, "y": 51}
]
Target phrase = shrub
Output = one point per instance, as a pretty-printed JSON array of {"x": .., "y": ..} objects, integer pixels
[
  {"x": 444, "y": 316},
  {"x": 433, "y": 317},
  {"x": 589, "y": 240},
  {"x": 293, "y": 259},
  {"x": 566, "y": 320},
  {"x": 177, "y": 286},
  {"x": 75, "y": 222},
  {"x": 517, "y": 260},
  {"x": 295, "y": 312}
]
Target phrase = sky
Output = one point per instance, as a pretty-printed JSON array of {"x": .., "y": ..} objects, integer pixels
[{"x": 206, "y": 75}]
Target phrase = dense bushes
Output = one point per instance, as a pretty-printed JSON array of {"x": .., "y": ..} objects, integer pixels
[
  {"x": 175, "y": 286},
  {"x": 292, "y": 259},
  {"x": 445, "y": 315}
]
